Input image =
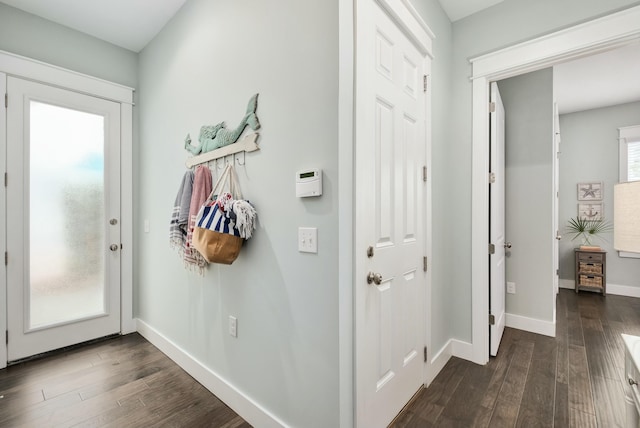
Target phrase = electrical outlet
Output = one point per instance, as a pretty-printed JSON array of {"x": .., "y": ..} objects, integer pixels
[
  {"x": 233, "y": 326},
  {"x": 511, "y": 287},
  {"x": 308, "y": 239}
]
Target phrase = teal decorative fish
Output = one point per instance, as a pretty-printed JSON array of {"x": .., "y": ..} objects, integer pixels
[{"x": 215, "y": 136}]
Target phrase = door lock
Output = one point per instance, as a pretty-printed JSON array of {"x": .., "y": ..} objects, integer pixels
[
  {"x": 507, "y": 245},
  {"x": 375, "y": 278},
  {"x": 113, "y": 247}
]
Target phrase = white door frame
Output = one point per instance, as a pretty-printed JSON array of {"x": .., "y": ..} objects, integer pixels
[
  {"x": 26, "y": 68},
  {"x": 595, "y": 36}
]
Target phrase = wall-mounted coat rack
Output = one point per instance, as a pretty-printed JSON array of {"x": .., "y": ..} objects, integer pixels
[{"x": 246, "y": 144}]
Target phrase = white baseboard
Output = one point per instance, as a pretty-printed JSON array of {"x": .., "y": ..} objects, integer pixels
[
  {"x": 453, "y": 348},
  {"x": 567, "y": 283},
  {"x": 618, "y": 290},
  {"x": 462, "y": 349},
  {"x": 623, "y": 290},
  {"x": 244, "y": 406},
  {"x": 532, "y": 325},
  {"x": 437, "y": 363}
]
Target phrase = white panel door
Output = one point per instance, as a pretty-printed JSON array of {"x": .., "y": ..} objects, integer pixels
[
  {"x": 497, "y": 226},
  {"x": 390, "y": 192},
  {"x": 63, "y": 231}
]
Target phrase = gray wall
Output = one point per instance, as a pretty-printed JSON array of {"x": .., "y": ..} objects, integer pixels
[
  {"x": 31, "y": 36},
  {"x": 590, "y": 153},
  {"x": 528, "y": 102},
  {"x": 201, "y": 69},
  {"x": 504, "y": 24}
]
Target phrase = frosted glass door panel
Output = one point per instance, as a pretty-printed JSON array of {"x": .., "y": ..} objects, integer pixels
[{"x": 66, "y": 224}]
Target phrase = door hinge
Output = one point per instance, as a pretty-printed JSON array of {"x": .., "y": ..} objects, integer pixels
[
  {"x": 424, "y": 173},
  {"x": 6, "y": 179},
  {"x": 424, "y": 83},
  {"x": 492, "y": 107},
  {"x": 557, "y": 271},
  {"x": 492, "y": 177},
  {"x": 424, "y": 263},
  {"x": 492, "y": 319},
  {"x": 6, "y": 337},
  {"x": 6, "y": 100},
  {"x": 6, "y": 258},
  {"x": 492, "y": 249},
  {"x": 425, "y": 354}
]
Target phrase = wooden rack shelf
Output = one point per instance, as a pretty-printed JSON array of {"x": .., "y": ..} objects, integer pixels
[{"x": 247, "y": 144}]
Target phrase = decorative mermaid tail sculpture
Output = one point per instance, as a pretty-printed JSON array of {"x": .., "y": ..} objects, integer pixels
[{"x": 215, "y": 136}]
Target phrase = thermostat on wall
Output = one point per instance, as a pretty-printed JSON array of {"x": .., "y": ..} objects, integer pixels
[{"x": 309, "y": 183}]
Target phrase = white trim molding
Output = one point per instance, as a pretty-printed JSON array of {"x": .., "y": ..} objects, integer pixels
[
  {"x": 252, "y": 412},
  {"x": 595, "y": 36},
  {"x": 615, "y": 289},
  {"x": 453, "y": 348},
  {"x": 28, "y": 68},
  {"x": 623, "y": 290},
  {"x": 4, "y": 356},
  {"x": 346, "y": 221},
  {"x": 533, "y": 325}
]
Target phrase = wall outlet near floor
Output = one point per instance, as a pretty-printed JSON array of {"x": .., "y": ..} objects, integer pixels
[
  {"x": 233, "y": 326},
  {"x": 511, "y": 287}
]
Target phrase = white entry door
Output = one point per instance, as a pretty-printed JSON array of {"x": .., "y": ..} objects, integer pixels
[
  {"x": 390, "y": 217},
  {"x": 497, "y": 220},
  {"x": 63, "y": 210}
]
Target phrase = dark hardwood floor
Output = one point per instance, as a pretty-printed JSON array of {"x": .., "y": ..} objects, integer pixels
[
  {"x": 572, "y": 380},
  {"x": 120, "y": 382}
]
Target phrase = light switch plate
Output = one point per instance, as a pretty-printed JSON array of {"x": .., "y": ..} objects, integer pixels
[{"x": 308, "y": 239}]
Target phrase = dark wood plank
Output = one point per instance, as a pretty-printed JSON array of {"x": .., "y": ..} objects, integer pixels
[
  {"x": 573, "y": 379},
  {"x": 561, "y": 405},
  {"x": 578, "y": 419},
  {"x": 580, "y": 397},
  {"x": 120, "y": 382},
  {"x": 609, "y": 396}
]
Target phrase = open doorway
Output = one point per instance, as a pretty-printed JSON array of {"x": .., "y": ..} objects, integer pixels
[{"x": 600, "y": 35}]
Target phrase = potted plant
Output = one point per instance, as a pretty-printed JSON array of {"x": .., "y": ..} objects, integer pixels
[{"x": 587, "y": 230}]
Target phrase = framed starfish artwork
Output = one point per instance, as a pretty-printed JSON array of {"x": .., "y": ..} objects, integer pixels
[{"x": 590, "y": 191}]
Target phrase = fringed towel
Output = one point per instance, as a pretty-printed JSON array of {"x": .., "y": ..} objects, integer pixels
[
  {"x": 180, "y": 214},
  {"x": 201, "y": 189}
]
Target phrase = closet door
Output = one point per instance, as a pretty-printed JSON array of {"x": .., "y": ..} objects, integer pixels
[{"x": 63, "y": 210}]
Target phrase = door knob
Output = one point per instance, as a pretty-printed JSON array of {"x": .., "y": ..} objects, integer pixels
[
  {"x": 375, "y": 278},
  {"x": 558, "y": 236},
  {"x": 113, "y": 247},
  {"x": 507, "y": 245}
]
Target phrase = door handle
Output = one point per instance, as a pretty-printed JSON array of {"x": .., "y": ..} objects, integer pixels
[
  {"x": 113, "y": 247},
  {"x": 507, "y": 245},
  {"x": 375, "y": 278}
]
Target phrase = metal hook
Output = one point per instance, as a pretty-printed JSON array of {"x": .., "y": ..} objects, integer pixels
[{"x": 239, "y": 158}]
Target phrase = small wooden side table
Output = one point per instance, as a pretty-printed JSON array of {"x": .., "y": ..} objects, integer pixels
[{"x": 591, "y": 270}]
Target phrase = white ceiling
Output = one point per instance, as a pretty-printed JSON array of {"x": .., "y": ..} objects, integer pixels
[
  {"x": 607, "y": 79},
  {"x": 130, "y": 24}
]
